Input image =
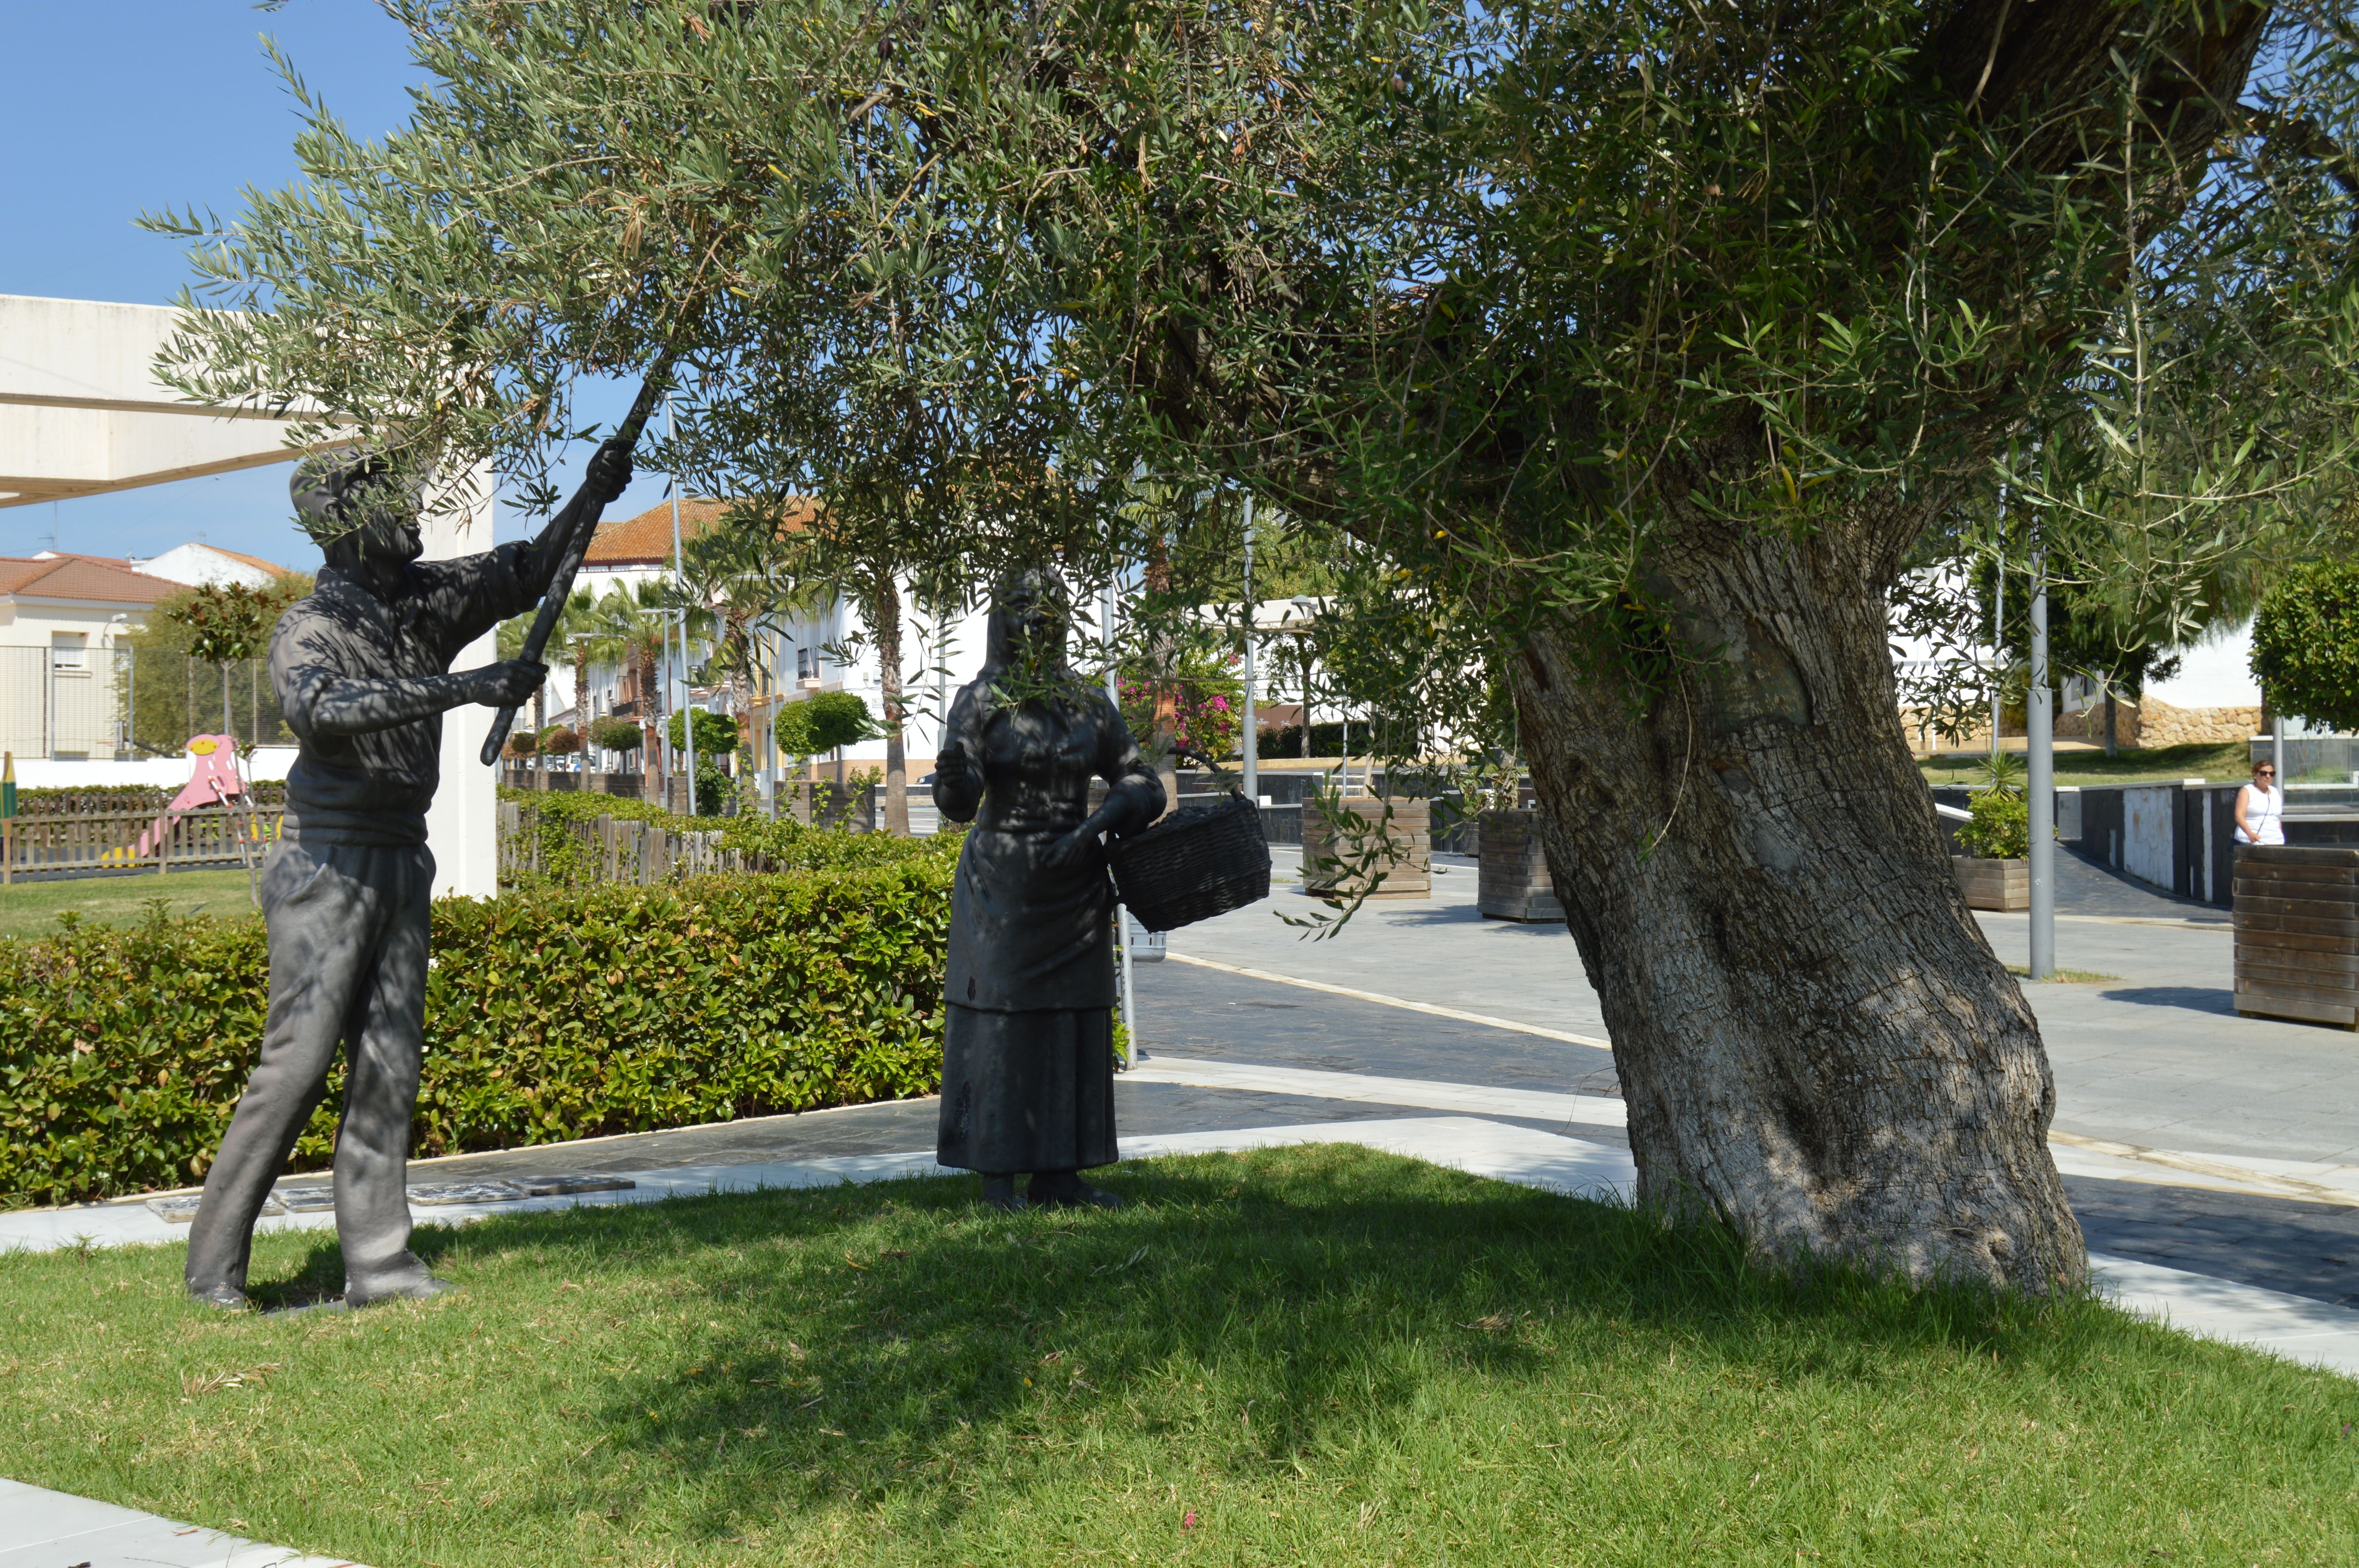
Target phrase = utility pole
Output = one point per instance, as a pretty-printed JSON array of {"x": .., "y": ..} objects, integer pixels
[
  {"x": 2040, "y": 738},
  {"x": 1998, "y": 655},
  {"x": 680, "y": 579},
  {"x": 1252, "y": 739},
  {"x": 1121, "y": 915}
]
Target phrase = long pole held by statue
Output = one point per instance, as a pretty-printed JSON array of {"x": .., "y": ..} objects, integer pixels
[{"x": 552, "y": 603}]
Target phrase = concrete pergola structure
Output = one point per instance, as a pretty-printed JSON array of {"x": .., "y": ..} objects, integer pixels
[{"x": 81, "y": 413}]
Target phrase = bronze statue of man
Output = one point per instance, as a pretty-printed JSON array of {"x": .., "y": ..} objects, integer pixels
[
  {"x": 361, "y": 670},
  {"x": 1027, "y": 1057}
]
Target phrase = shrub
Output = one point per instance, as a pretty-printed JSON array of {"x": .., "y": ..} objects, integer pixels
[
  {"x": 559, "y": 742},
  {"x": 2306, "y": 644},
  {"x": 566, "y": 860},
  {"x": 1209, "y": 709},
  {"x": 716, "y": 733},
  {"x": 550, "y": 1015},
  {"x": 523, "y": 743},
  {"x": 2001, "y": 828},
  {"x": 616, "y": 735},
  {"x": 822, "y": 721}
]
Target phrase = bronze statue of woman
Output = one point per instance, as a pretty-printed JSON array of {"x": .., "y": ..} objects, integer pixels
[{"x": 1028, "y": 1058}]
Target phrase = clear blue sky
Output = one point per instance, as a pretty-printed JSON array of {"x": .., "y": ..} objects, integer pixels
[{"x": 123, "y": 106}]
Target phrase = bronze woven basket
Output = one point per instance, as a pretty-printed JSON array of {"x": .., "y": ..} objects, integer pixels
[{"x": 1199, "y": 861}]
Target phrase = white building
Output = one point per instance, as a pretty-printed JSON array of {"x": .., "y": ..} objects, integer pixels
[
  {"x": 2209, "y": 697},
  {"x": 824, "y": 648},
  {"x": 59, "y": 617},
  {"x": 198, "y": 565}
]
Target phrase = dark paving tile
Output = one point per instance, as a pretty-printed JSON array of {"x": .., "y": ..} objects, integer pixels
[
  {"x": 1185, "y": 1010},
  {"x": 2087, "y": 886},
  {"x": 2279, "y": 1244}
]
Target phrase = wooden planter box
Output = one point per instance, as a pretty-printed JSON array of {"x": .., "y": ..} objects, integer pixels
[
  {"x": 2296, "y": 913},
  {"x": 1993, "y": 884},
  {"x": 1514, "y": 881},
  {"x": 1408, "y": 872}
]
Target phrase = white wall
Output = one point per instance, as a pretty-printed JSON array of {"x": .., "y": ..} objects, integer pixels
[
  {"x": 2146, "y": 832},
  {"x": 265, "y": 763},
  {"x": 2215, "y": 673},
  {"x": 463, "y": 825}
]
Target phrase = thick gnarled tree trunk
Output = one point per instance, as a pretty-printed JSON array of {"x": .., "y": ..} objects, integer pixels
[{"x": 1814, "y": 1039}]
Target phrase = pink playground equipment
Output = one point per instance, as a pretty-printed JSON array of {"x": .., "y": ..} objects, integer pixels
[{"x": 213, "y": 782}]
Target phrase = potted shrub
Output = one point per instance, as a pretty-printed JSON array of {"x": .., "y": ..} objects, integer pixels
[{"x": 1995, "y": 870}]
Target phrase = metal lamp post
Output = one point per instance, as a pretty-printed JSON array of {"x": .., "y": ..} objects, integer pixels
[
  {"x": 2040, "y": 738},
  {"x": 1251, "y": 734}
]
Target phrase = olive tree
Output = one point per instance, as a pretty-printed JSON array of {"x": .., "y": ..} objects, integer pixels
[{"x": 1618, "y": 351}]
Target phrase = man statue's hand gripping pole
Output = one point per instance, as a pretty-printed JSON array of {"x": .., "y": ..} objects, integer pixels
[{"x": 577, "y": 545}]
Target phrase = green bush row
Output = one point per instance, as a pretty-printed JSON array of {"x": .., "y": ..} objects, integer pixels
[
  {"x": 68, "y": 800},
  {"x": 550, "y": 1015}
]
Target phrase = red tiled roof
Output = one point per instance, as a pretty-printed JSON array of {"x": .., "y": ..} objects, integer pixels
[
  {"x": 88, "y": 579},
  {"x": 273, "y": 567},
  {"x": 646, "y": 540}
]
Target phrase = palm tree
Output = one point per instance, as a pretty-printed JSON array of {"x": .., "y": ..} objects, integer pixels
[
  {"x": 575, "y": 617},
  {"x": 738, "y": 578},
  {"x": 631, "y": 628}
]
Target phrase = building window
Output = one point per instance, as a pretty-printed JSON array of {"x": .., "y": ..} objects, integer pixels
[
  {"x": 69, "y": 653},
  {"x": 806, "y": 664}
]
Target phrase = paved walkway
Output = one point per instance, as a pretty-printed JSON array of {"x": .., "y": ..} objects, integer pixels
[{"x": 2155, "y": 1055}]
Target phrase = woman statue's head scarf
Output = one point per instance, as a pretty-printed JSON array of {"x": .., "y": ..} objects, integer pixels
[{"x": 1030, "y": 613}]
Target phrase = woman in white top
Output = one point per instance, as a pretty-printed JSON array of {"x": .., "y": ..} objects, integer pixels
[{"x": 2260, "y": 809}]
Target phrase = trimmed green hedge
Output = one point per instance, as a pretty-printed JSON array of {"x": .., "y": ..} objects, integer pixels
[
  {"x": 550, "y": 1016},
  {"x": 567, "y": 860},
  {"x": 68, "y": 800}
]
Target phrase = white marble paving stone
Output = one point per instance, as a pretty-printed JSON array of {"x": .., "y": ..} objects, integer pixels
[
  {"x": 41, "y": 1528},
  {"x": 1368, "y": 1089},
  {"x": 2295, "y": 1327},
  {"x": 182, "y": 1209}
]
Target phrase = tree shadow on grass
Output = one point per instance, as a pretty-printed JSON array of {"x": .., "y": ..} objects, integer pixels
[{"x": 866, "y": 1344}]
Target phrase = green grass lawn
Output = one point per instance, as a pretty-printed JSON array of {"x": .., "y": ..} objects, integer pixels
[
  {"x": 31, "y": 909},
  {"x": 1318, "y": 1354},
  {"x": 2228, "y": 763}
]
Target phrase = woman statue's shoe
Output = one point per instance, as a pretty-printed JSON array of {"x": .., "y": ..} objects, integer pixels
[
  {"x": 1065, "y": 1189},
  {"x": 999, "y": 1192}
]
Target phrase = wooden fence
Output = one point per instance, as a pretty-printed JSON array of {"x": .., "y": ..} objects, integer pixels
[
  {"x": 208, "y": 837},
  {"x": 622, "y": 849}
]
